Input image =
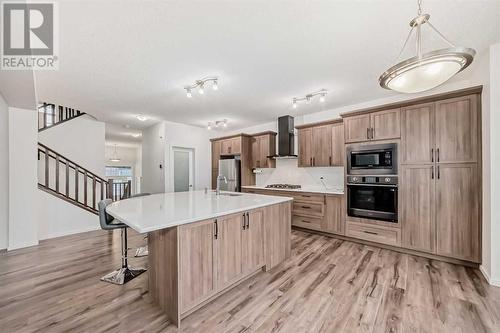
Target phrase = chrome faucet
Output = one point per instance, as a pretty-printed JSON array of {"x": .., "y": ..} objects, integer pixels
[{"x": 219, "y": 179}]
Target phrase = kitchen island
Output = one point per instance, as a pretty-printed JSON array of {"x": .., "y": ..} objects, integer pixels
[{"x": 202, "y": 244}]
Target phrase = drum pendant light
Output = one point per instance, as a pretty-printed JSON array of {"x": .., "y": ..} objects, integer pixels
[{"x": 426, "y": 70}]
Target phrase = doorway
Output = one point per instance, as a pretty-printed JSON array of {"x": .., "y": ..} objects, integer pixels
[{"x": 183, "y": 169}]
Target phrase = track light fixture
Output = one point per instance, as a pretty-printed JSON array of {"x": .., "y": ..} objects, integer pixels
[
  {"x": 217, "y": 124},
  {"x": 200, "y": 84},
  {"x": 309, "y": 97}
]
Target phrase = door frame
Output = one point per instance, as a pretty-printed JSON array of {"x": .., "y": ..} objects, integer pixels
[{"x": 192, "y": 157}]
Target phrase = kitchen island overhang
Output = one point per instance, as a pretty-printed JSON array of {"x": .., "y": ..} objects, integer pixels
[{"x": 201, "y": 244}]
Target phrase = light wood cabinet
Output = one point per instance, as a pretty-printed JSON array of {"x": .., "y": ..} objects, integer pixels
[
  {"x": 357, "y": 128},
  {"x": 321, "y": 146},
  {"x": 374, "y": 233},
  {"x": 252, "y": 244},
  {"x": 338, "y": 155},
  {"x": 457, "y": 211},
  {"x": 417, "y": 137},
  {"x": 231, "y": 146},
  {"x": 457, "y": 130},
  {"x": 305, "y": 147},
  {"x": 381, "y": 125},
  {"x": 263, "y": 146},
  {"x": 196, "y": 263},
  {"x": 333, "y": 221},
  {"x": 216, "y": 152},
  {"x": 418, "y": 207},
  {"x": 228, "y": 249},
  {"x": 385, "y": 125}
]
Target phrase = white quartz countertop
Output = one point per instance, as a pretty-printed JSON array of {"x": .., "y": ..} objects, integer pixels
[
  {"x": 309, "y": 189},
  {"x": 166, "y": 210}
]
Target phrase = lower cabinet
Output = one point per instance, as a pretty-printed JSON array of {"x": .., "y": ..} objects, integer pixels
[
  {"x": 214, "y": 254},
  {"x": 333, "y": 220},
  {"x": 228, "y": 248},
  {"x": 196, "y": 263},
  {"x": 458, "y": 216}
]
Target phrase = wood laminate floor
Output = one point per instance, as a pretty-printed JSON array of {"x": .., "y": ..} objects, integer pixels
[{"x": 328, "y": 285}]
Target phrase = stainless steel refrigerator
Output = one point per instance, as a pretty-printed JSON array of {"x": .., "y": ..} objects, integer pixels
[{"x": 230, "y": 168}]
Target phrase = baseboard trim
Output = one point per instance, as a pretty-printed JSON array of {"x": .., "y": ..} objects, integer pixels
[
  {"x": 493, "y": 282},
  {"x": 22, "y": 246},
  {"x": 69, "y": 233}
]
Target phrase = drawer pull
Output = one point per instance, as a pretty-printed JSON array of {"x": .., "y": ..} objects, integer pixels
[
  {"x": 306, "y": 207},
  {"x": 370, "y": 232},
  {"x": 305, "y": 196},
  {"x": 306, "y": 221}
]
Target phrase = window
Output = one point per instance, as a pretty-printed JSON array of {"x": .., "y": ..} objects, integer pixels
[{"x": 116, "y": 171}]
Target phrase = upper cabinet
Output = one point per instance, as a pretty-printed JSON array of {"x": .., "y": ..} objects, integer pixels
[
  {"x": 457, "y": 130},
  {"x": 442, "y": 132},
  {"x": 263, "y": 146},
  {"x": 381, "y": 125},
  {"x": 321, "y": 145},
  {"x": 231, "y": 146}
]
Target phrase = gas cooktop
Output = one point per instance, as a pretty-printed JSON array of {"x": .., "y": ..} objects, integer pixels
[{"x": 284, "y": 186}]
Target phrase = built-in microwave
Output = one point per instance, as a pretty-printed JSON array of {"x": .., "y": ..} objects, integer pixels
[{"x": 376, "y": 159}]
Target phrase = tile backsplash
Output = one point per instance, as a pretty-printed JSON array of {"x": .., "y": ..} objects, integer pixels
[{"x": 287, "y": 172}]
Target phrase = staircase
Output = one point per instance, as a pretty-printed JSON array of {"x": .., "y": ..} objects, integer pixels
[{"x": 67, "y": 179}]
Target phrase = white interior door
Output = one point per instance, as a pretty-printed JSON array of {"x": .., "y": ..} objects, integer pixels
[{"x": 183, "y": 162}]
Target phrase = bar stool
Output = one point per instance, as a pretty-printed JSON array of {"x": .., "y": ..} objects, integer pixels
[
  {"x": 143, "y": 250},
  {"x": 125, "y": 273}
]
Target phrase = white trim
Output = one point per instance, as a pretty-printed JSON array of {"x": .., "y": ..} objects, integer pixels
[
  {"x": 191, "y": 151},
  {"x": 493, "y": 282},
  {"x": 71, "y": 232},
  {"x": 22, "y": 245}
]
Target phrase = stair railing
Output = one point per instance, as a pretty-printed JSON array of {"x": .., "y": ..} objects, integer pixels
[
  {"x": 69, "y": 181},
  {"x": 50, "y": 115}
]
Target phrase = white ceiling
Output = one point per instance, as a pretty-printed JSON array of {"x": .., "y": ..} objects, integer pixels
[{"x": 123, "y": 58}]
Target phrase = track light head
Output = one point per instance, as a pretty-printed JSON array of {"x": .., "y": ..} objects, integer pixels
[
  {"x": 322, "y": 98},
  {"x": 294, "y": 103},
  {"x": 215, "y": 85},
  {"x": 201, "y": 89},
  {"x": 188, "y": 93}
]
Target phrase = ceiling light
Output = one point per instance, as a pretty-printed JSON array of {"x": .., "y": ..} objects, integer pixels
[
  {"x": 224, "y": 123},
  {"x": 309, "y": 97},
  {"x": 140, "y": 117},
  {"x": 114, "y": 157},
  {"x": 209, "y": 126},
  {"x": 200, "y": 84},
  {"x": 426, "y": 70},
  {"x": 136, "y": 135}
]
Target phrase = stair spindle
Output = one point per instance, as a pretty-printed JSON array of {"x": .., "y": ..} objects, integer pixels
[
  {"x": 85, "y": 181},
  {"x": 46, "y": 167},
  {"x": 93, "y": 191},
  {"x": 76, "y": 182},
  {"x": 57, "y": 173},
  {"x": 67, "y": 179}
]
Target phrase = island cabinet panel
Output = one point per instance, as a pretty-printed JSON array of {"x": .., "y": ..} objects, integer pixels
[
  {"x": 321, "y": 146},
  {"x": 196, "y": 263},
  {"x": 457, "y": 211},
  {"x": 418, "y": 209},
  {"x": 357, "y": 128},
  {"x": 334, "y": 221},
  {"x": 228, "y": 249},
  {"x": 417, "y": 137},
  {"x": 278, "y": 232},
  {"x": 252, "y": 245},
  {"x": 305, "y": 147},
  {"x": 338, "y": 149},
  {"x": 385, "y": 125},
  {"x": 457, "y": 122}
]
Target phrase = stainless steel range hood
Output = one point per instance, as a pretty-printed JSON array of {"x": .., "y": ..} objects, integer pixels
[{"x": 286, "y": 138}]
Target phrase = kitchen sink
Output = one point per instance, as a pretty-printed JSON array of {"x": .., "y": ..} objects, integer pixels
[{"x": 231, "y": 194}]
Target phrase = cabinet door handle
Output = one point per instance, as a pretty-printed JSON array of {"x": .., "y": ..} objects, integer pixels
[
  {"x": 368, "y": 133},
  {"x": 373, "y": 132},
  {"x": 330, "y": 161},
  {"x": 244, "y": 221},
  {"x": 311, "y": 161},
  {"x": 314, "y": 161},
  {"x": 370, "y": 232},
  {"x": 439, "y": 173},
  {"x": 437, "y": 154},
  {"x": 432, "y": 155},
  {"x": 216, "y": 229},
  {"x": 306, "y": 207},
  {"x": 248, "y": 220},
  {"x": 432, "y": 172}
]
